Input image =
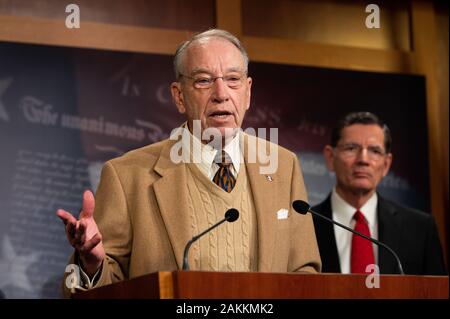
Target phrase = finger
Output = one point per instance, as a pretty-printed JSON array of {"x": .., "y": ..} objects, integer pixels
[
  {"x": 69, "y": 221},
  {"x": 70, "y": 230},
  {"x": 65, "y": 216},
  {"x": 83, "y": 228},
  {"x": 91, "y": 244},
  {"x": 79, "y": 233},
  {"x": 88, "y": 204}
]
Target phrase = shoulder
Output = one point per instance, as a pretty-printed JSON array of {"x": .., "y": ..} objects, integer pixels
[
  {"x": 271, "y": 158},
  {"x": 254, "y": 143},
  {"x": 146, "y": 156},
  {"x": 324, "y": 206},
  {"x": 407, "y": 214}
]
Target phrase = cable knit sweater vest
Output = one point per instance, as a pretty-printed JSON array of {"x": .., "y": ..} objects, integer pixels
[{"x": 231, "y": 246}]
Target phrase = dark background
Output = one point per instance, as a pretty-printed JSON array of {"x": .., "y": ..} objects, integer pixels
[{"x": 46, "y": 165}]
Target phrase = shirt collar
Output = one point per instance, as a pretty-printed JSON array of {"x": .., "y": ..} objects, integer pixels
[
  {"x": 343, "y": 212},
  {"x": 233, "y": 149},
  {"x": 205, "y": 160}
]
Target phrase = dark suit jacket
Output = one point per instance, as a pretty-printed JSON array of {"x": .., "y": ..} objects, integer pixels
[{"x": 410, "y": 233}]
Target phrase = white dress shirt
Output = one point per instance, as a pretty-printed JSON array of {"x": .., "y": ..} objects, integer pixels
[
  {"x": 343, "y": 212},
  {"x": 205, "y": 161}
]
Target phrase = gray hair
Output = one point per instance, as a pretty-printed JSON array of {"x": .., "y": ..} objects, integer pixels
[{"x": 212, "y": 33}]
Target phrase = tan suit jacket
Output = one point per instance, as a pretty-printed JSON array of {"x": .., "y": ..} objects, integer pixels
[{"x": 141, "y": 212}]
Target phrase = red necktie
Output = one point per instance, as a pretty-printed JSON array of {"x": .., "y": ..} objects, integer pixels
[{"x": 362, "y": 250}]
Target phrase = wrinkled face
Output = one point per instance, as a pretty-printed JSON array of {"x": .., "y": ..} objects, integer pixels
[
  {"x": 224, "y": 103},
  {"x": 359, "y": 159}
]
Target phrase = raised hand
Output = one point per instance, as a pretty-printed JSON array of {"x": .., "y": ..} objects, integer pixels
[{"x": 83, "y": 234}]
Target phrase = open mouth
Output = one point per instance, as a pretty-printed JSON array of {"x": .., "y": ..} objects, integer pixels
[{"x": 220, "y": 114}]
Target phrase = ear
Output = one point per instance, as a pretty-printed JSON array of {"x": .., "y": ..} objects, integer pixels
[
  {"x": 177, "y": 95},
  {"x": 249, "y": 92},
  {"x": 387, "y": 164},
  {"x": 328, "y": 154}
]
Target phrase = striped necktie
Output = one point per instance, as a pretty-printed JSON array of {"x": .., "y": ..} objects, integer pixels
[{"x": 224, "y": 178}]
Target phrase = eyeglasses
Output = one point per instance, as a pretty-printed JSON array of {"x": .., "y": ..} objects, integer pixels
[
  {"x": 374, "y": 153},
  {"x": 233, "y": 81}
]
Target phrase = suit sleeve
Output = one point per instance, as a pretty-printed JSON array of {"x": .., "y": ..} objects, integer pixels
[
  {"x": 434, "y": 261},
  {"x": 112, "y": 217},
  {"x": 304, "y": 253}
]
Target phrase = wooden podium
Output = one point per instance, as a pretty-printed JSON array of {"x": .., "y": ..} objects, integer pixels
[{"x": 225, "y": 285}]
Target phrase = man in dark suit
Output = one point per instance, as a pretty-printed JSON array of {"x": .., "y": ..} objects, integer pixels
[{"x": 360, "y": 155}]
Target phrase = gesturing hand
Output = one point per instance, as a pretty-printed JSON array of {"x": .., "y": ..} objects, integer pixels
[{"x": 83, "y": 234}]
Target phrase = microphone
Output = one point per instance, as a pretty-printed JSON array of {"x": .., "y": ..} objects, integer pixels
[
  {"x": 303, "y": 207},
  {"x": 231, "y": 215}
]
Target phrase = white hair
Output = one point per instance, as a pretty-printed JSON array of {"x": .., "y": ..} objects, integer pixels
[{"x": 212, "y": 33}]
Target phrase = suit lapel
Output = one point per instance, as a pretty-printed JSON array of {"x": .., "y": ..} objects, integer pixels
[
  {"x": 171, "y": 194},
  {"x": 389, "y": 230},
  {"x": 265, "y": 199},
  {"x": 326, "y": 238}
]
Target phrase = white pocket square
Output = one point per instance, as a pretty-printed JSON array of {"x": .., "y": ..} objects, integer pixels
[{"x": 282, "y": 213}]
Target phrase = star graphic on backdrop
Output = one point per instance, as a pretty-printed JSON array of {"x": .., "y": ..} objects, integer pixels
[
  {"x": 13, "y": 267},
  {"x": 4, "y": 84}
]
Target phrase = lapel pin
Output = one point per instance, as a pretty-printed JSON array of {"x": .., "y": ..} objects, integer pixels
[{"x": 269, "y": 178}]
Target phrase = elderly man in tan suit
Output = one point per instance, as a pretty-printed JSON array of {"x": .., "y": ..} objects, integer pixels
[{"x": 148, "y": 205}]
